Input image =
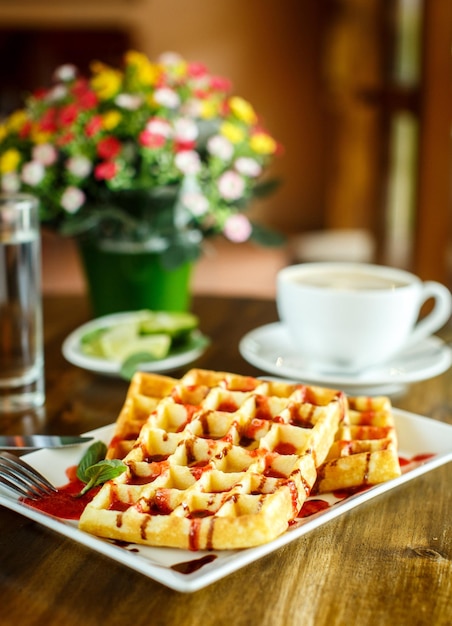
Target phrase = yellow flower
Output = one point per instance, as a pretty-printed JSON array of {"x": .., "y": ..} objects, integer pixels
[
  {"x": 146, "y": 71},
  {"x": 106, "y": 81},
  {"x": 243, "y": 110},
  {"x": 16, "y": 120},
  {"x": 9, "y": 161},
  {"x": 111, "y": 119},
  {"x": 234, "y": 133},
  {"x": 3, "y": 132},
  {"x": 209, "y": 109},
  {"x": 263, "y": 143},
  {"x": 38, "y": 136}
]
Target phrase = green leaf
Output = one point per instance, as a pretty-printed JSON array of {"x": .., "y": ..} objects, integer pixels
[
  {"x": 95, "y": 453},
  {"x": 130, "y": 365},
  {"x": 266, "y": 187},
  {"x": 99, "y": 473},
  {"x": 266, "y": 237}
]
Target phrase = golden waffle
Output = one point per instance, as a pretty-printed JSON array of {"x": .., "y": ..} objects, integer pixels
[
  {"x": 222, "y": 462},
  {"x": 143, "y": 395},
  {"x": 365, "y": 449}
]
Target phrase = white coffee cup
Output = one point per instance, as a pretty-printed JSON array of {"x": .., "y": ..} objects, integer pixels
[{"x": 350, "y": 316}]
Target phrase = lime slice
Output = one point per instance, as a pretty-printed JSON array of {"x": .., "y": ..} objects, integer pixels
[
  {"x": 121, "y": 342},
  {"x": 175, "y": 324}
]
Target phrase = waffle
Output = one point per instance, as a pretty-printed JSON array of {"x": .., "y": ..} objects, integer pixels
[
  {"x": 365, "y": 449},
  {"x": 144, "y": 393},
  {"x": 222, "y": 461}
]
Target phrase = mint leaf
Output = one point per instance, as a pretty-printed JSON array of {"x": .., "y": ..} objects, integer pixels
[
  {"x": 131, "y": 364},
  {"x": 99, "y": 473},
  {"x": 95, "y": 453}
]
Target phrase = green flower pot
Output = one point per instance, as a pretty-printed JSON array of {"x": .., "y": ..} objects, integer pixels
[{"x": 120, "y": 280}]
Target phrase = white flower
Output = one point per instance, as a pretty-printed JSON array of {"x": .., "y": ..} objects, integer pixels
[
  {"x": 79, "y": 166},
  {"x": 220, "y": 147},
  {"x": 248, "y": 167},
  {"x": 170, "y": 58},
  {"x": 157, "y": 126},
  {"x": 10, "y": 182},
  {"x": 32, "y": 173},
  {"x": 72, "y": 199},
  {"x": 128, "y": 101},
  {"x": 192, "y": 108},
  {"x": 45, "y": 153},
  {"x": 231, "y": 185},
  {"x": 185, "y": 129},
  {"x": 195, "y": 202},
  {"x": 56, "y": 93},
  {"x": 237, "y": 228},
  {"x": 65, "y": 72},
  {"x": 167, "y": 97},
  {"x": 188, "y": 162}
]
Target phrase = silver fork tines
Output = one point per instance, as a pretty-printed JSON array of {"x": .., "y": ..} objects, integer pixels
[{"x": 19, "y": 477}]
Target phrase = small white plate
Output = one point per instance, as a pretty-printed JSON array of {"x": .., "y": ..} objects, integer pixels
[
  {"x": 424, "y": 444},
  {"x": 270, "y": 349},
  {"x": 73, "y": 353}
]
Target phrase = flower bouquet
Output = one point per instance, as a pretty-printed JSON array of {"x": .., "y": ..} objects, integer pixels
[{"x": 157, "y": 153}]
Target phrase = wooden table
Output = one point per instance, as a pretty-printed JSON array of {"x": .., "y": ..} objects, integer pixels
[{"x": 385, "y": 562}]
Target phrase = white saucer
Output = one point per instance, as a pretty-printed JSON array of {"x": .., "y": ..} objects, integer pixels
[
  {"x": 270, "y": 349},
  {"x": 73, "y": 353}
]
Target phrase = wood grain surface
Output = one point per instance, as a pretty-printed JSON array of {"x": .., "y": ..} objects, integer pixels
[{"x": 385, "y": 562}]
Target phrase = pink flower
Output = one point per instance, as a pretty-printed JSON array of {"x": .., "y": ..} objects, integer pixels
[
  {"x": 151, "y": 140},
  {"x": 32, "y": 173},
  {"x": 45, "y": 153},
  {"x": 195, "y": 202},
  {"x": 237, "y": 228},
  {"x": 167, "y": 97},
  {"x": 72, "y": 199},
  {"x": 185, "y": 130},
  {"x": 231, "y": 185},
  {"x": 159, "y": 126},
  {"x": 79, "y": 166},
  {"x": 248, "y": 167},
  {"x": 188, "y": 162},
  {"x": 220, "y": 147}
]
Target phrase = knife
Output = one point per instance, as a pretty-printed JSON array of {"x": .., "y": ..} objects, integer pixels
[{"x": 33, "y": 442}]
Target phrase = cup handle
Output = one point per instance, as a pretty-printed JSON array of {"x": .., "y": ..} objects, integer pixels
[{"x": 438, "y": 316}]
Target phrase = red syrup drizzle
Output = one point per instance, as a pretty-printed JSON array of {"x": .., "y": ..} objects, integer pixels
[
  {"x": 418, "y": 459},
  {"x": 63, "y": 502},
  {"x": 188, "y": 567},
  {"x": 310, "y": 507}
]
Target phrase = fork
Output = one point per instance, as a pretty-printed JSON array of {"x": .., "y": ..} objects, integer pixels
[{"x": 22, "y": 479}]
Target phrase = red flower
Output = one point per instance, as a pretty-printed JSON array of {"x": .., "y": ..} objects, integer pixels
[
  {"x": 106, "y": 170},
  {"x": 93, "y": 126},
  {"x": 86, "y": 98},
  {"x": 47, "y": 123},
  {"x": 108, "y": 148},
  {"x": 68, "y": 114},
  {"x": 65, "y": 139},
  {"x": 180, "y": 146},
  {"x": 151, "y": 140},
  {"x": 25, "y": 130}
]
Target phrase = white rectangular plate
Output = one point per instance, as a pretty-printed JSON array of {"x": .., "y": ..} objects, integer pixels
[{"x": 418, "y": 436}]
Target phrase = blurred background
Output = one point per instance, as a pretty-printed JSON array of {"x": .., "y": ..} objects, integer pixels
[{"x": 359, "y": 93}]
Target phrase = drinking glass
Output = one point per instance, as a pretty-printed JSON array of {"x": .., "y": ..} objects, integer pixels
[{"x": 21, "y": 334}]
